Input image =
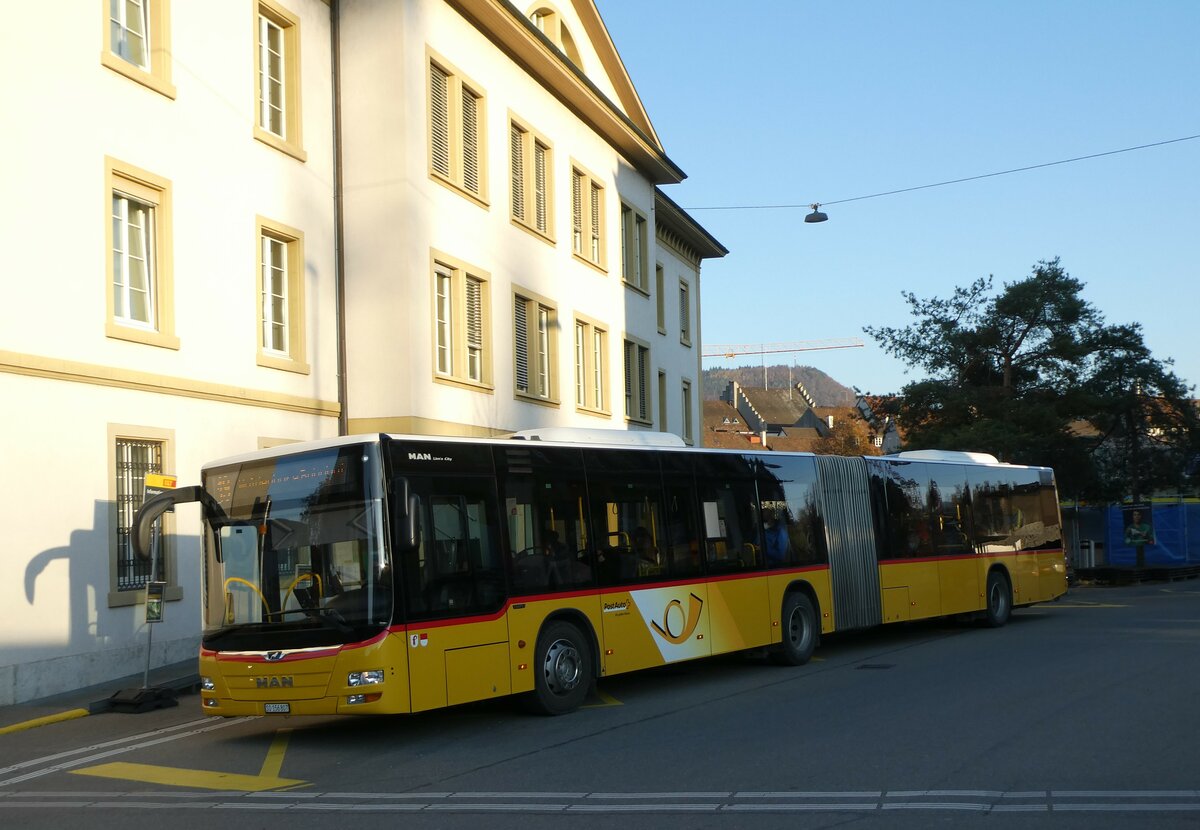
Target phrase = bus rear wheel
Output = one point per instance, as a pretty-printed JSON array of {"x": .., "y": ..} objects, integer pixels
[
  {"x": 999, "y": 600},
  {"x": 799, "y": 630},
  {"x": 563, "y": 666}
]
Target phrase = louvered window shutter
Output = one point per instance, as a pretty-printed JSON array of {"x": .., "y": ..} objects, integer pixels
[
  {"x": 539, "y": 187},
  {"x": 474, "y": 329},
  {"x": 517, "y": 151},
  {"x": 595, "y": 224},
  {"x": 685, "y": 317},
  {"x": 440, "y": 119},
  {"x": 470, "y": 140},
  {"x": 643, "y": 375},
  {"x": 629, "y": 347},
  {"x": 577, "y": 211},
  {"x": 521, "y": 336}
]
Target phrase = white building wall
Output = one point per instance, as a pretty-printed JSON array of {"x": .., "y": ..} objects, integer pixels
[
  {"x": 66, "y": 385},
  {"x": 64, "y": 382},
  {"x": 397, "y": 216}
]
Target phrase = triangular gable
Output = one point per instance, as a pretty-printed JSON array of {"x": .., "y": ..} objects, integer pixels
[
  {"x": 615, "y": 77},
  {"x": 600, "y": 91}
]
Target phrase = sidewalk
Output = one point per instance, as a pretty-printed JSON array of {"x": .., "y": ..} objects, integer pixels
[{"x": 175, "y": 679}]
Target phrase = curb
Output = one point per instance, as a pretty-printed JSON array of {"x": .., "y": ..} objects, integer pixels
[{"x": 70, "y": 714}]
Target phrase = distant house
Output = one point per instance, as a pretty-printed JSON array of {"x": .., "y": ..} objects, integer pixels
[
  {"x": 785, "y": 419},
  {"x": 876, "y": 411}
]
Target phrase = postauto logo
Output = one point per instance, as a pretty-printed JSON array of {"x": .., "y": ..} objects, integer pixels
[{"x": 675, "y": 622}]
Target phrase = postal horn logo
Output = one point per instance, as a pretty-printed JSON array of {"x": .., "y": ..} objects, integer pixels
[{"x": 685, "y": 623}]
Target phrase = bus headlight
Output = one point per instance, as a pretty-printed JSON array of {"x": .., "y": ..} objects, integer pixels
[
  {"x": 371, "y": 677},
  {"x": 206, "y": 683}
]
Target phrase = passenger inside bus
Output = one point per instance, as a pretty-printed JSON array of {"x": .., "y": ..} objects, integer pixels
[{"x": 565, "y": 569}]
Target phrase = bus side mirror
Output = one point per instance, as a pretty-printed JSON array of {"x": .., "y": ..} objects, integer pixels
[
  {"x": 154, "y": 507},
  {"x": 412, "y": 523},
  {"x": 407, "y": 530}
]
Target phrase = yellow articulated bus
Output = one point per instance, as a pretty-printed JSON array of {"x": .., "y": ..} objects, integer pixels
[{"x": 385, "y": 573}]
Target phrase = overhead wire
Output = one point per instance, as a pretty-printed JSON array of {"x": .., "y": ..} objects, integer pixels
[{"x": 808, "y": 205}]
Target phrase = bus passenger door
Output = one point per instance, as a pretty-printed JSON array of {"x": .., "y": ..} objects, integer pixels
[
  {"x": 739, "y": 602},
  {"x": 454, "y": 594}
]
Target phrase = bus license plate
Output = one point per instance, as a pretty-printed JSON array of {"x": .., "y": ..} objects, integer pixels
[{"x": 277, "y": 708}]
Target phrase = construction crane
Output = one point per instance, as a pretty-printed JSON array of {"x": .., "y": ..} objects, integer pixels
[
  {"x": 764, "y": 349},
  {"x": 739, "y": 349}
]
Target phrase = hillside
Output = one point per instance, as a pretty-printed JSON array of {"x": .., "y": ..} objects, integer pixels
[{"x": 825, "y": 390}]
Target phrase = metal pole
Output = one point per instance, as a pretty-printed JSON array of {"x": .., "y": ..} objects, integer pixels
[{"x": 154, "y": 544}]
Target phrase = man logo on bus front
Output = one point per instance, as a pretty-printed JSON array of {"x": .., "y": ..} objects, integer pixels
[{"x": 690, "y": 621}]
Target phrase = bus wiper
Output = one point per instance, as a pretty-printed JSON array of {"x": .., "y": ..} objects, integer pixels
[
  {"x": 329, "y": 616},
  {"x": 220, "y": 633}
]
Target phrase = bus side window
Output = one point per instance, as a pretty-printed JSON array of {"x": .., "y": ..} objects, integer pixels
[
  {"x": 546, "y": 507},
  {"x": 731, "y": 526},
  {"x": 456, "y": 569}
]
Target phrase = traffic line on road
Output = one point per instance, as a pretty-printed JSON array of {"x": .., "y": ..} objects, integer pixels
[
  {"x": 605, "y": 700},
  {"x": 615, "y": 803},
  {"x": 110, "y": 748},
  {"x": 268, "y": 777}
]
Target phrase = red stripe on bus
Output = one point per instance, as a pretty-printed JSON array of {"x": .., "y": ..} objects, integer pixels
[{"x": 961, "y": 556}]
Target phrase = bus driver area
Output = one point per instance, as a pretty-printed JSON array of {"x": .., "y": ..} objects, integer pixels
[{"x": 386, "y": 574}]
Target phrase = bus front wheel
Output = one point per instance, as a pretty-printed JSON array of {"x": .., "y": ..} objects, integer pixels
[
  {"x": 799, "y": 630},
  {"x": 563, "y": 667},
  {"x": 999, "y": 600}
]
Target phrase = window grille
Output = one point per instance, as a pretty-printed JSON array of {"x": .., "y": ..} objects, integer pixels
[{"x": 134, "y": 458}]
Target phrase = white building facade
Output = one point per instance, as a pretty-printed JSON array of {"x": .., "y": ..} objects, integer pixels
[{"x": 296, "y": 218}]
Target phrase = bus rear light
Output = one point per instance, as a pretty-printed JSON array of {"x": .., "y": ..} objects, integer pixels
[
  {"x": 354, "y": 700},
  {"x": 371, "y": 677}
]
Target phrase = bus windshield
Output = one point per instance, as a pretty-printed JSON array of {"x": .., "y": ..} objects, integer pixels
[{"x": 295, "y": 557}]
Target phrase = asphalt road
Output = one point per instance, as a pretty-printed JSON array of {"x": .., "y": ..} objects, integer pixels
[{"x": 1080, "y": 714}]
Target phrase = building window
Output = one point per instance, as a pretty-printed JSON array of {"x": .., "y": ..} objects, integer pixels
[
  {"x": 686, "y": 432},
  {"x": 133, "y": 261},
  {"x": 461, "y": 324},
  {"x": 531, "y": 168},
  {"x": 281, "y": 338},
  {"x": 277, "y": 78},
  {"x": 139, "y": 266},
  {"x": 591, "y": 370},
  {"x": 637, "y": 381},
  {"x": 587, "y": 217},
  {"x": 634, "y": 249},
  {"x": 137, "y": 42},
  {"x": 685, "y": 314},
  {"x": 660, "y": 300},
  {"x": 456, "y": 131},
  {"x": 535, "y": 334},
  {"x": 550, "y": 24},
  {"x": 136, "y": 451}
]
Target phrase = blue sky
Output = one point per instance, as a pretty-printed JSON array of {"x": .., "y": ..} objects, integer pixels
[{"x": 794, "y": 101}]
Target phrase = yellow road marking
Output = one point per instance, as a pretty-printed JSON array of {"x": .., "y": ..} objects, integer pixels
[
  {"x": 274, "y": 762},
  {"x": 605, "y": 700},
  {"x": 192, "y": 778},
  {"x": 267, "y": 779}
]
